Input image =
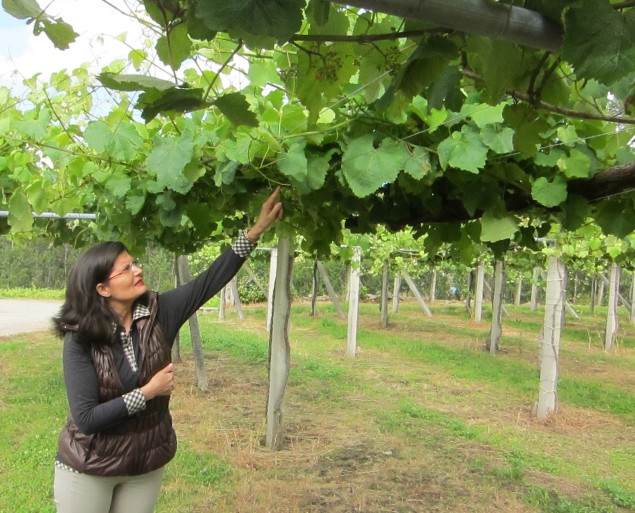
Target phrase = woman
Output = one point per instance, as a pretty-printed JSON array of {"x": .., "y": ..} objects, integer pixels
[{"x": 118, "y": 376}]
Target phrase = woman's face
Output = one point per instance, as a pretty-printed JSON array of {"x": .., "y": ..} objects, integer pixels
[{"x": 125, "y": 282}]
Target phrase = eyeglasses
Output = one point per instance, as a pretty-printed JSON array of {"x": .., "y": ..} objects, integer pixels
[{"x": 126, "y": 269}]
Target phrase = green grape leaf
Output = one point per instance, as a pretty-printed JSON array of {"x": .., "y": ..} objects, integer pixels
[
  {"x": 616, "y": 217},
  {"x": 22, "y": 9},
  {"x": 20, "y": 215},
  {"x": 121, "y": 145},
  {"x": 549, "y": 194},
  {"x": 202, "y": 217},
  {"x": 261, "y": 74},
  {"x": 367, "y": 168},
  {"x": 236, "y": 108},
  {"x": 118, "y": 186},
  {"x": 153, "y": 102},
  {"x": 58, "y": 31},
  {"x": 498, "y": 138},
  {"x": 168, "y": 159},
  {"x": 36, "y": 193},
  {"x": 134, "y": 202},
  {"x": 576, "y": 211},
  {"x": 279, "y": 19},
  {"x": 576, "y": 165},
  {"x": 599, "y": 41},
  {"x": 123, "y": 82},
  {"x": 463, "y": 150},
  {"x": 34, "y": 127},
  {"x": 418, "y": 163},
  {"x": 293, "y": 164},
  {"x": 527, "y": 126},
  {"x": 174, "y": 48},
  {"x": 318, "y": 11},
  {"x": 483, "y": 114},
  {"x": 318, "y": 167},
  {"x": 497, "y": 228},
  {"x": 97, "y": 135},
  {"x": 498, "y": 62},
  {"x": 161, "y": 11}
]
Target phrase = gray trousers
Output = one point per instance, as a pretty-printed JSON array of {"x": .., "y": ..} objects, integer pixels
[{"x": 83, "y": 493}]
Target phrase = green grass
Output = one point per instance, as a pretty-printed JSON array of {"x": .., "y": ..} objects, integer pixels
[
  {"x": 33, "y": 407},
  {"x": 23, "y": 293}
]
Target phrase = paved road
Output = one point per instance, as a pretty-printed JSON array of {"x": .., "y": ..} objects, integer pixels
[{"x": 23, "y": 315}]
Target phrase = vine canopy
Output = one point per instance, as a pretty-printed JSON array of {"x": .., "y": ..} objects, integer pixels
[{"x": 367, "y": 118}]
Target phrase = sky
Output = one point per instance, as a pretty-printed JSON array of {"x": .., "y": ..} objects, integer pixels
[{"x": 23, "y": 54}]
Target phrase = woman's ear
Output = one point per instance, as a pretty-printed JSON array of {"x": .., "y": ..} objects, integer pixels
[{"x": 103, "y": 290}]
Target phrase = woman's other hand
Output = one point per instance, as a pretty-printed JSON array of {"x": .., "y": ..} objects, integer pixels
[{"x": 162, "y": 383}]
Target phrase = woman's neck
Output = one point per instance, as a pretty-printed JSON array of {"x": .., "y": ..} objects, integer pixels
[{"x": 124, "y": 311}]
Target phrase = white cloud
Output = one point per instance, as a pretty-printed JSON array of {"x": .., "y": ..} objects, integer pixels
[{"x": 22, "y": 54}]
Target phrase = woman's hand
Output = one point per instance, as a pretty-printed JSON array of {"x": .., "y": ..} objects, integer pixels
[
  {"x": 162, "y": 383},
  {"x": 270, "y": 212}
]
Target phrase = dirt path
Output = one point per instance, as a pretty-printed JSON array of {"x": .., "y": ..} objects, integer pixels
[{"x": 24, "y": 315}]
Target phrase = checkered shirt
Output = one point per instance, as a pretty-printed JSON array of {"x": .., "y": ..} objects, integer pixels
[
  {"x": 135, "y": 401},
  {"x": 242, "y": 246}
]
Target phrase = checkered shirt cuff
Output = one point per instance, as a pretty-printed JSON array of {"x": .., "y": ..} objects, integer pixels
[
  {"x": 135, "y": 401},
  {"x": 242, "y": 246}
]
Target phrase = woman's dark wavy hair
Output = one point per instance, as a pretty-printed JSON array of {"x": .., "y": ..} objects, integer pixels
[{"x": 84, "y": 310}]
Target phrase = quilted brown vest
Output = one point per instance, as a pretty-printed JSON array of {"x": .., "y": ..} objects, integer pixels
[{"x": 145, "y": 441}]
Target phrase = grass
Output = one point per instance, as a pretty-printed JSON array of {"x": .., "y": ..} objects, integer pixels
[
  {"x": 25, "y": 293},
  {"x": 423, "y": 419}
]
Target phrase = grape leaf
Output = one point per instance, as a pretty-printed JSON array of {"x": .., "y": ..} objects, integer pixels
[
  {"x": 20, "y": 215},
  {"x": 367, "y": 168},
  {"x": 275, "y": 18},
  {"x": 236, "y": 109},
  {"x": 549, "y": 194},
  {"x": 497, "y": 228},
  {"x": 174, "y": 48},
  {"x": 463, "y": 150},
  {"x": 599, "y": 41},
  {"x": 168, "y": 158}
]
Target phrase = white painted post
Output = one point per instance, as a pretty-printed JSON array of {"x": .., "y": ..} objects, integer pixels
[
  {"x": 221, "y": 303},
  {"x": 395, "y": 293},
  {"x": 233, "y": 284},
  {"x": 273, "y": 265},
  {"x": 550, "y": 342},
  {"x": 612, "y": 323},
  {"x": 413, "y": 288},
  {"x": 353, "y": 303},
  {"x": 478, "y": 295}
]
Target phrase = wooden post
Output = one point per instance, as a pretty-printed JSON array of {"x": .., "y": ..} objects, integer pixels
[
  {"x": 493, "y": 339},
  {"x": 195, "y": 332},
  {"x": 395, "y": 293},
  {"x": 176, "y": 347},
  {"x": 314, "y": 288},
  {"x": 415, "y": 291},
  {"x": 279, "y": 348},
  {"x": 353, "y": 303},
  {"x": 535, "y": 289},
  {"x": 221, "y": 304},
  {"x": 330, "y": 289},
  {"x": 384, "y": 294},
  {"x": 234, "y": 288}
]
